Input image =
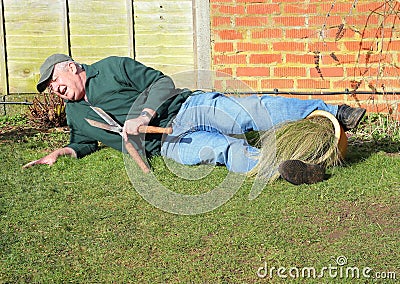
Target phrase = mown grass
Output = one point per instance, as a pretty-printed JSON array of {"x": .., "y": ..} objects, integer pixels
[{"x": 82, "y": 221}]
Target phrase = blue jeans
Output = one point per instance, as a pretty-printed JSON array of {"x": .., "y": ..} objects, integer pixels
[{"x": 202, "y": 128}]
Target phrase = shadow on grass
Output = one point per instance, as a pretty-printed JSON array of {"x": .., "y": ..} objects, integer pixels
[
  {"x": 17, "y": 134},
  {"x": 359, "y": 150},
  {"x": 30, "y": 134}
]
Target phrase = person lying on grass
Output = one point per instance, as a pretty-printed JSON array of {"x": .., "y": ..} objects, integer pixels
[{"x": 136, "y": 95}]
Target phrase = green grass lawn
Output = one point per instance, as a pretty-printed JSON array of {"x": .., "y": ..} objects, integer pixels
[{"x": 82, "y": 221}]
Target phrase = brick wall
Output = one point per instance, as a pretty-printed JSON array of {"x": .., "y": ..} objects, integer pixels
[{"x": 311, "y": 46}]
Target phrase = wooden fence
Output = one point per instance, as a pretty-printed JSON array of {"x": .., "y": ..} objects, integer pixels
[{"x": 159, "y": 34}]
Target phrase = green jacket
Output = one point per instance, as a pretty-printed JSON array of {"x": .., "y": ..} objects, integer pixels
[{"x": 122, "y": 86}]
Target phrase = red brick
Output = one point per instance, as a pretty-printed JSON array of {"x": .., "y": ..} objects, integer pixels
[
  {"x": 221, "y": 21},
  {"x": 248, "y": 46},
  {"x": 224, "y": 72},
  {"x": 236, "y": 85},
  {"x": 253, "y": 71},
  {"x": 289, "y": 72},
  {"x": 218, "y": 84},
  {"x": 300, "y": 9},
  {"x": 377, "y": 108},
  {"x": 391, "y": 85},
  {"x": 360, "y": 20},
  {"x": 389, "y": 71},
  {"x": 372, "y": 33},
  {"x": 301, "y": 33},
  {"x": 228, "y": 9},
  {"x": 289, "y": 21},
  {"x": 327, "y": 72},
  {"x": 345, "y": 33},
  {"x": 324, "y": 46},
  {"x": 250, "y": 1},
  {"x": 391, "y": 45},
  {"x": 264, "y": 9},
  {"x": 319, "y": 21},
  {"x": 356, "y": 99},
  {"x": 288, "y": 1},
  {"x": 358, "y": 45},
  {"x": 223, "y": 47},
  {"x": 230, "y": 59},
  {"x": 242, "y": 85},
  {"x": 289, "y": 46},
  {"x": 220, "y": 74},
  {"x": 267, "y": 33},
  {"x": 369, "y": 7},
  {"x": 221, "y": 1},
  {"x": 252, "y": 22},
  {"x": 338, "y": 8},
  {"x": 370, "y": 71},
  {"x": 277, "y": 84},
  {"x": 300, "y": 58},
  {"x": 265, "y": 58},
  {"x": 346, "y": 84},
  {"x": 334, "y": 58},
  {"x": 312, "y": 84},
  {"x": 229, "y": 34},
  {"x": 366, "y": 58}
]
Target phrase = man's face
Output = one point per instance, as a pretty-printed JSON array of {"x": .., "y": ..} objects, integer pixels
[{"x": 67, "y": 84}]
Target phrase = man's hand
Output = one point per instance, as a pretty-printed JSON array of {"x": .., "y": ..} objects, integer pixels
[
  {"x": 51, "y": 158},
  {"x": 131, "y": 126}
]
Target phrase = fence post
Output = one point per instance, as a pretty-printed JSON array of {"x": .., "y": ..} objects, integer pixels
[
  {"x": 4, "y": 88},
  {"x": 67, "y": 28},
  {"x": 131, "y": 28}
]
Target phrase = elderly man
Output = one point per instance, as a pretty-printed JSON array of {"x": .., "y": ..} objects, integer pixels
[{"x": 136, "y": 95}]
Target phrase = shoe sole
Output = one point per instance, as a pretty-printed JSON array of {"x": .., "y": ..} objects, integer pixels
[{"x": 298, "y": 172}]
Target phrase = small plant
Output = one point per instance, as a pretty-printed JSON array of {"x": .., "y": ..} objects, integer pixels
[
  {"x": 48, "y": 111},
  {"x": 379, "y": 128}
]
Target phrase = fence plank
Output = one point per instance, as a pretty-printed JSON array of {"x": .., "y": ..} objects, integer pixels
[
  {"x": 34, "y": 30},
  {"x": 98, "y": 29},
  {"x": 164, "y": 34}
]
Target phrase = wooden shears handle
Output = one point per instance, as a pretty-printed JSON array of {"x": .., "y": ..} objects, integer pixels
[
  {"x": 136, "y": 157},
  {"x": 134, "y": 153},
  {"x": 155, "y": 129}
]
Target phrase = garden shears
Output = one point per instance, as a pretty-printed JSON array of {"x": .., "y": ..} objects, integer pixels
[{"x": 114, "y": 126}]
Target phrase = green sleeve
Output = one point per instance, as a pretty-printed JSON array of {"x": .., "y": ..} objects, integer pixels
[
  {"x": 81, "y": 144},
  {"x": 158, "y": 93}
]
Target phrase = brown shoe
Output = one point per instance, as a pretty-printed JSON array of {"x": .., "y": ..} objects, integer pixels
[{"x": 298, "y": 172}]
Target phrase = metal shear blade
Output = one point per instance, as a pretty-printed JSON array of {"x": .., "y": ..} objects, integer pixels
[
  {"x": 112, "y": 124},
  {"x": 117, "y": 129},
  {"x": 105, "y": 116}
]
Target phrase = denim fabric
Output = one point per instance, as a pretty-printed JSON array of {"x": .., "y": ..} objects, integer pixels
[{"x": 203, "y": 125}]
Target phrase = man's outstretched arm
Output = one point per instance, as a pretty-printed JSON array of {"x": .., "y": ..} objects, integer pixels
[{"x": 51, "y": 158}]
